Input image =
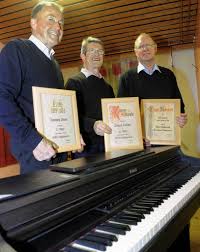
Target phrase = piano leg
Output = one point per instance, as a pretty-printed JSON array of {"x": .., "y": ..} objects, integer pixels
[{"x": 182, "y": 243}]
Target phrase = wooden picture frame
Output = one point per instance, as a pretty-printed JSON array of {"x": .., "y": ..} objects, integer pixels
[
  {"x": 123, "y": 116},
  {"x": 56, "y": 117},
  {"x": 159, "y": 121}
]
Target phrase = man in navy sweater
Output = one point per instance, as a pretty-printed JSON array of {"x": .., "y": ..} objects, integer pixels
[
  {"x": 90, "y": 87},
  {"x": 23, "y": 64}
]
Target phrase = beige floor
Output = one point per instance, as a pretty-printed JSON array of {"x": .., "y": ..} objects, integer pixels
[
  {"x": 8, "y": 171},
  {"x": 13, "y": 170}
]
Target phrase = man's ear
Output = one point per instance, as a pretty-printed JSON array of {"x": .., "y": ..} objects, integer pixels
[
  {"x": 33, "y": 23},
  {"x": 82, "y": 55}
]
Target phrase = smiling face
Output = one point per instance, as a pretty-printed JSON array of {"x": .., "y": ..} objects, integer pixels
[
  {"x": 47, "y": 26},
  {"x": 145, "y": 49},
  {"x": 93, "y": 57}
]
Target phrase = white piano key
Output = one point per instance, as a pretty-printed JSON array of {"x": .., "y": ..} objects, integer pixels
[{"x": 141, "y": 234}]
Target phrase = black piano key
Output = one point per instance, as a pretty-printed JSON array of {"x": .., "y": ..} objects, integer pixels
[
  {"x": 158, "y": 196},
  {"x": 128, "y": 216},
  {"x": 133, "y": 213},
  {"x": 151, "y": 199},
  {"x": 124, "y": 220},
  {"x": 71, "y": 249},
  {"x": 94, "y": 238},
  {"x": 139, "y": 210},
  {"x": 117, "y": 225},
  {"x": 150, "y": 202},
  {"x": 90, "y": 244},
  {"x": 111, "y": 230},
  {"x": 104, "y": 235},
  {"x": 144, "y": 206}
]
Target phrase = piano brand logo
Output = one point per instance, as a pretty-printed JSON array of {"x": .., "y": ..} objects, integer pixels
[{"x": 131, "y": 171}]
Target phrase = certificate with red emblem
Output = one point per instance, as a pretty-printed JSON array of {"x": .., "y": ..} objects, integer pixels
[
  {"x": 123, "y": 116},
  {"x": 159, "y": 121}
]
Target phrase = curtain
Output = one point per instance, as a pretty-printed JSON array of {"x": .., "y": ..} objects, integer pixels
[{"x": 6, "y": 157}]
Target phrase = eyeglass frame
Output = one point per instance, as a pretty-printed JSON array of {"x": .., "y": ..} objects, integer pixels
[
  {"x": 147, "y": 46},
  {"x": 95, "y": 50}
]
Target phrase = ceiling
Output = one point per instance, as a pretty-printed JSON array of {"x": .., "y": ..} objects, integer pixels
[{"x": 116, "y": 22}]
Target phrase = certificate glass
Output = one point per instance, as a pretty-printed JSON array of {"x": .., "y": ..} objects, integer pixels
[
  {"x": 56, "y": 117},
  {"x": 159, "y": 121},
  {"x": 123, "y": 116}
]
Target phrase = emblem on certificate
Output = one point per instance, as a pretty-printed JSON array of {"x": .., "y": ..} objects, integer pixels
[
  {"x": 56, "y": 117},
  {"x": 159, "y": 121},
  {"x": 123, "y": 116}
]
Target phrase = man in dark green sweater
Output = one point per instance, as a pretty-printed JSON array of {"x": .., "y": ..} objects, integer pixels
[{"x": 90, "y": 87}]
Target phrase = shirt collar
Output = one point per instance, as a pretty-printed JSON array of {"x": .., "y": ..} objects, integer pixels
[
  {"x": 88, "y": 73},
  {"x": 42, "y": 47},
  {"x": 141, "y": 67}
]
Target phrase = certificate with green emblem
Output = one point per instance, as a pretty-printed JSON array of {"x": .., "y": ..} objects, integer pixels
[
  {"x": 123, "y": 116},
  {"x": 56, "y": 117},
  {"x": 159, "y": 121}
]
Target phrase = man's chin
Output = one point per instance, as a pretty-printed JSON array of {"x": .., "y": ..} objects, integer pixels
[{"x": 97, "y": 64}]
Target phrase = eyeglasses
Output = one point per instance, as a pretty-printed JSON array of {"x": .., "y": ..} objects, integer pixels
[
  {"x": 147, "y": 46},
  {"x": 53, "y": 20},
  {"x": 95, "y": 51}
]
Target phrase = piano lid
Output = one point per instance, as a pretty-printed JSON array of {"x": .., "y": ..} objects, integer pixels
[{"x": 25, "y": 184}]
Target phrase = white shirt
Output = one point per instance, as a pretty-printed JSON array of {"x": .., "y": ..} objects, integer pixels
[
  {"x": 48, "y": 52},
  {"x": 140, "y": 68},
  {"x": 87, "y": 73}
]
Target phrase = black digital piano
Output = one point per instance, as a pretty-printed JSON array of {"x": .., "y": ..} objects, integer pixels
[{"x": 122, "y": 201}]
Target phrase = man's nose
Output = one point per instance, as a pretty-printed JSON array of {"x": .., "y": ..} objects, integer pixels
[{"x": 58, "y": 25}]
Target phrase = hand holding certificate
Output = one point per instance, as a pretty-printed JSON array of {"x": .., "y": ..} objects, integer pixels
[
  {"x": 56, "y": 117},
  {"x": 159, "y": 121},
  {"x": 123, "y": 117}
]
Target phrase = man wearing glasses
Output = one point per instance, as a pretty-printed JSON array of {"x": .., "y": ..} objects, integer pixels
[
  {"x": 90, "y": 87},
  {"x": 150, "y": 81}
]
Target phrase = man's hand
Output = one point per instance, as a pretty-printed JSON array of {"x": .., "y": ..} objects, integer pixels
[
  {"x": 45, "y": 150},
  {"x": 82, "y": 145},
  {"x": 181, "y": 120},
  {"x": 146, "y": 143},
  {"x": 100, "y": 128}
]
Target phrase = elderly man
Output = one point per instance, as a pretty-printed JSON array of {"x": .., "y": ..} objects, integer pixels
[
  {"x": 90, "y": 87},
  {"x": 25, "y": 63},
  {"x": 150, "y": 81}
]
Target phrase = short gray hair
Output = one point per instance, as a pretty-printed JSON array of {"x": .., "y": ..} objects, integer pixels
[
  {"x": 142, "y": 35},
  {"x": 87, "y": 41},
  {"x": 39, "y": 6}
]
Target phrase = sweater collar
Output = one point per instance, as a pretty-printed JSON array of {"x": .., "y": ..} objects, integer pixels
[
  {"x": 87, "y": 73},
  {"x": 141, "y": 67},
  {"x": 42, "y": 47}
]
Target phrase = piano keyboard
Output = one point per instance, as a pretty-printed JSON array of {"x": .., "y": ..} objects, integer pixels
[{"x": 132, "y": 228}]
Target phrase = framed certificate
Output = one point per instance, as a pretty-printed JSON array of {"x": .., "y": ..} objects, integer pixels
[
  {"x": 56, "y": 117},
  {"x": 123, "y": 116},
  {"x": 159, "y": 121}
]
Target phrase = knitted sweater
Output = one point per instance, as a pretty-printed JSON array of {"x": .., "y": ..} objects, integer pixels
[
  {"x": 22, "y": 66},
  {"x": 159, "y": 85},
  {"x": 89, "y": 92}
]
